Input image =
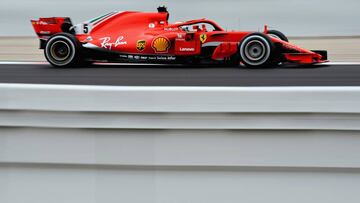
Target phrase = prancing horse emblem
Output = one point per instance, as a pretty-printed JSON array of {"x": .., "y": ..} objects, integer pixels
[{"x": 203, "y": 38}]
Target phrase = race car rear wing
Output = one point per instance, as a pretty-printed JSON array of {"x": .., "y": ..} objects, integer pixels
[{"x": 46, "y": 27}]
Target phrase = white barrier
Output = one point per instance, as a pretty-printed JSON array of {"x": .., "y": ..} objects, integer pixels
[
  {"x": 175, "y": 144},
  {"x": 180, "y": 99}
]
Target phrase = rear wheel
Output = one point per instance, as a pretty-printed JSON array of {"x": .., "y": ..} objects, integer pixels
[
  {"x": 256, "y": 50},
  {"x": 63, "y": 50}
]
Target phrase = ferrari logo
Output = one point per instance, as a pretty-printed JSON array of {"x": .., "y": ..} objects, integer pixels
[
  {"x": 141, "y": 45},
  {"x": 203, "y": 38}
]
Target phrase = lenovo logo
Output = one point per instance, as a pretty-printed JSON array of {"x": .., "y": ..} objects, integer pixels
[{"x": 187, "y": 49}]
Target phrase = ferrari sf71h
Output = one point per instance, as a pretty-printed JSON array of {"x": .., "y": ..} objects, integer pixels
[{"x": 150, "y": 38}]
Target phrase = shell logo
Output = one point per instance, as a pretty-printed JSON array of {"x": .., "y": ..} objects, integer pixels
[{"x": 161, "y": 45}]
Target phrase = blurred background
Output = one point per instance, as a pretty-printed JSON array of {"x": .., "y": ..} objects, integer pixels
[{"x": 293, "y": 17}]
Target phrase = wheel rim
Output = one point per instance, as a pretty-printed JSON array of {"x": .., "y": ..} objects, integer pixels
[
  {"x": 60, "y": 51},
  {"x": 255, "y": 50}
]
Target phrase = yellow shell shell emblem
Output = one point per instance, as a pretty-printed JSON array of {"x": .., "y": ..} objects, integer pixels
[
  {"x": 203, "y": 38},
  {"x": 161, "y": 45}
]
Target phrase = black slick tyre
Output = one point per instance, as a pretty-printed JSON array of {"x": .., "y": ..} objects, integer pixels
[
  {"x": 256, "y": 50},
  {"x": 63, "y": 50},
  {"x": 277, "y": 34}
]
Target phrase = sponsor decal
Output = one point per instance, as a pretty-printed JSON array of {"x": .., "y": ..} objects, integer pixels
[
  {"x": 141, "y": 45},
  {"x": 187, "y": 49},
  {"x": 171, "y": 29},
  {"x": 166, "y": 58},
  {"x": 107, "y": 44},
  {"x": 152, "y": 25},
  {"x": 39, "y": 23},
  {"x": 45, "y": 32},
  {"x": 89, "y": 39},
  {"x": 179, "y": 36},
  {"x": 161, "y": 45},
  {"x": 203, "y": 38},
  {"x": 152, "y": 58},
  {"x": 42, "y": 23}
]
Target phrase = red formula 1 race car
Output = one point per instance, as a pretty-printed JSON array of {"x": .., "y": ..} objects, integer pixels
[{"x": 150, "y": 38}]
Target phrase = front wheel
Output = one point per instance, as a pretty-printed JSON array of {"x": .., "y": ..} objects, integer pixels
[
  {"x": 63, "y": 50},
  {"x": 256, "y": 50},
  {"x": 278, "y": 35}
]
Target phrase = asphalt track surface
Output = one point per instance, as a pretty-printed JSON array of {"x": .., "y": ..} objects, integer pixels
[{"x": 168, "y": 75}]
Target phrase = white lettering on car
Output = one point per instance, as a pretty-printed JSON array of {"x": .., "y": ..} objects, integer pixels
[
  {"x": 152, "y": 25},
  {"x": 107, "y": 44},
  {"x": 187, "y": 49}
]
